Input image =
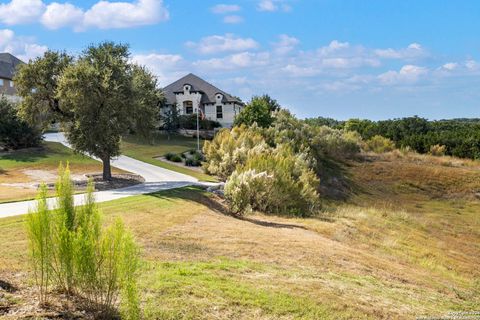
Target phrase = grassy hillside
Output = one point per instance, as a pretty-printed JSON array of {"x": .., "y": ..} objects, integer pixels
[{"x": 406, "y": 244}]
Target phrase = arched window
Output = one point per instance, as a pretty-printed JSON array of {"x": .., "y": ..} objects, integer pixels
[{"x": 188, "y": 107}]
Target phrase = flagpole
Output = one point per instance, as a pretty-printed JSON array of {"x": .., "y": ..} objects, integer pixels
[{"x": 198, "y": 131}]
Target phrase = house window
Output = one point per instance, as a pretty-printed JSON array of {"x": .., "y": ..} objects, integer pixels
[
  {"x": 219, "y": 112},
  {"x": 1, "y": 82},
  {"x": 11, "y": 84},
  {"x": 188, "y": 107}
]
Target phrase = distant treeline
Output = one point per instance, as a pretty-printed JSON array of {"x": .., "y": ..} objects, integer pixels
[{"x": 461, "y": 137}]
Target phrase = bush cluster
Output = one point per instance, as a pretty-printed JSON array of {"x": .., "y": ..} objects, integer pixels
[
  {"x": 277, "y": 181},
  {"x": 193, "y": 159},
  {"x": 379, "y": 144},
  {"x": 437, "y": 150},
  {"x": 276, "y": 169},
  {"x": 173, "y": 157},
  {"x": 16, "y": 133},
  {"x": 460, "y": 137},
  {"x": 189, "y": 122},
  {"x": 70, "y": 250}
]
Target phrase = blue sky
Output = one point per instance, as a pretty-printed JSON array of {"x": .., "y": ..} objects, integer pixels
[{"x": 372, "y": 59}]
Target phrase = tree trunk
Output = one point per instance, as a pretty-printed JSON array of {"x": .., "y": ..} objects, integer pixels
[{"x": 107, "y": 170}]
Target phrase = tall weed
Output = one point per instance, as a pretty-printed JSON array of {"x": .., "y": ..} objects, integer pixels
[{"x": 70, "y": 250}]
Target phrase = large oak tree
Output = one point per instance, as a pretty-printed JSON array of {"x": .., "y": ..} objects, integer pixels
[{"x": 98, "y": 97}]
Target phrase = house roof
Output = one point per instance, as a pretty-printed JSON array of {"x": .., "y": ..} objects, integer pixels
[
  {"x": 8, "y": 65},
  {"x": 197, "y": 85}
]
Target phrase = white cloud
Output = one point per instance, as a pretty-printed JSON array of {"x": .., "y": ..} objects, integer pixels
[
  {"x": 234, "y": 61},
  {"x": 24, "y": 48},
  {"x": 336, "y": 68},
  {"x": 413, "y": 51},
  {"x": 218, "y": 44},
  {"x": 298, "y": 71},
  {"x": 333, "y": 47},
  {"x": 232, "y": 19},
  {"x": 285, "y": 44},
  {"x": 450, "y": 66},
  {"x": 21, "y": 11},
  {"x": 349, "y": 63},
  {"x": 472, "y": 65},
  {"x": 465, "y": 68},
  {"x": 103, "y": 14},
  {"x": 109, "y": 15},
  {"x": 340, "y": 86},
  {"x": 167, "y": 67},
  {"x": 225, "y": 8},
  {"x": 273, "y": 5},
  {"x": 59, "y": 15},
  {"x": 407, "y": 74}
]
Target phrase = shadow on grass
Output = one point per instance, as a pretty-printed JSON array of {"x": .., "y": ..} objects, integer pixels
[
  {"x": 336, "y": 182},
  {"x": 26, "y": 155},
  {"x": 7, "y": 286},
  {"x": 199, "y": 195}
]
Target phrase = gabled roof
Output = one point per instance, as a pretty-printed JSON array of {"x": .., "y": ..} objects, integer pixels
[
  {"x": 8, "y": 65},
  {"x": 197, "y": 85}
]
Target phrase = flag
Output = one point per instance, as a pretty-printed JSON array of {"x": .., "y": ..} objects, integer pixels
[{"x": 202, "y": 114}]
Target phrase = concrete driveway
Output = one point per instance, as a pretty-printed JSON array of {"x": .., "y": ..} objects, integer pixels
[{"x": 156, "y": 179}]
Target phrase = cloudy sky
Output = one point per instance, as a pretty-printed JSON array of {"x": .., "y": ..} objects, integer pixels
[{"x": 372, "y": 59}]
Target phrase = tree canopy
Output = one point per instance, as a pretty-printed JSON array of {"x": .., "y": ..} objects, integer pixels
[
  {"x": 259, "y": 110},
  {"x": 15, "y": 133},
  {"x": 37, "y": 83},
  {"x": 97, "y": 97}
]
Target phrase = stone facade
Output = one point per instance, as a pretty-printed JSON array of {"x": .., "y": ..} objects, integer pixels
[
  {"x": 192, "y": 93},
  {"x": 8, "y": 67}
]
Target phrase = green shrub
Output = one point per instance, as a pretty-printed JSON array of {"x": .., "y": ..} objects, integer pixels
[
  {"x": 176, "y": 158},
  {"x": 257, "y": 111},
  {"x": 192, "y": 162},
  {"x": 230, "y": 148},
  {"x": 248, "y": 190},
  {"x": 335, "y": 143},
  {"x": 169, "y": 156},
  {"x": 379, "y": 144},
  {"x": 189, "y": 122},
  {"x": 15, "y": 133},
  {"x": 290, "y": 154},
  {"x": 274, "y": 182},
  {"x": 437, "y": 150},
  {"x": 70, "y": 250},
  {"x": 39, "y": 230}
]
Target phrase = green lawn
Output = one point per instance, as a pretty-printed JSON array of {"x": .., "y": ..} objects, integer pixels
[
  {"x": 14, "y": 165},
  {"x": 159, "y": 145},
  {"x": 50, "y": 154}
]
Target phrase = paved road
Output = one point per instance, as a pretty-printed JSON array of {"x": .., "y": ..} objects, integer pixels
[{"x": 156, "y": 179}]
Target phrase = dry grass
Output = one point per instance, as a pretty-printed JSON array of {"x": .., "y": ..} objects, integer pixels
[{"x": 390, "y": 253}]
